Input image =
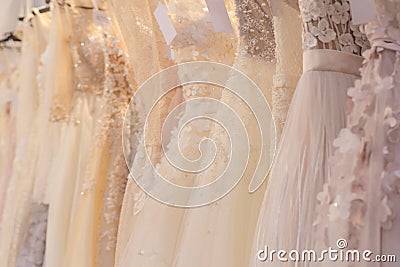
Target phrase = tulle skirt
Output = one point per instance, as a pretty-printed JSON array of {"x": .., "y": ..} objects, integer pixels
[
  {"x": 221, "y": 234},
  {"x": 316, "y": 115}
]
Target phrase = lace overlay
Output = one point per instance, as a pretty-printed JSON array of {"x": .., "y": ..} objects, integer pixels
[
  {"x": 327, "y": 24},
  {"x": 192, "y": 43},
  {"x": 117, "y": 94},
  {"x": 287, "y": 26}
]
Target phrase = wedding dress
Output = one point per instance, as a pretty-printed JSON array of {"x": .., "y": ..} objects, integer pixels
[
  {"x": 97, "y": 212},
  {"x": 148, "y": 54},
  {"x": 361, "y": 201},
  {"x": 330, "y": 65},
  {"x": 156, "y": 247},
  {"x": 220, "y": 234},
  {"x": 9, "y": 185},
  {"x": 18, "y": 201},
  {"x": 9, "y": 86},
  {"x": 83, "y": 78},
  {"x": 31, "y": 111}
]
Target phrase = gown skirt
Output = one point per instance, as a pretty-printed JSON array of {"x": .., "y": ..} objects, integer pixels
[{"x": 316, "y": 115}]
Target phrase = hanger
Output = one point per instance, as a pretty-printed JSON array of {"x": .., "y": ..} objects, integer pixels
[
  {"x": 44, "y": 9},
  {"x": 64, "y": 3},
  {"x": 10, "y": 37}
]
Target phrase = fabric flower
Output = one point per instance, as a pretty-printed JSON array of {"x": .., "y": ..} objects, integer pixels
[
  {"x": 359, "y": 39},
  {"x": 339, "y": 209},
  {"x": 385, "y": 213},
  {"x": 389, "y": 118},
  {"x": 312, "y": 10},
  {"x": 394, "y": 134},
  {"x": 323, "y": 196},
  {"x": 388, "y": 182},
  {"x": 323, "y": 32},
  {"x": 358, "y": 128},
  {"x": 309, "y": 40},
  {"x": 341, "y": 13},
  {"x": 347, "y": 141},
  {"x": 346, "y": 39},
  {"x": 384, "y": 84}
]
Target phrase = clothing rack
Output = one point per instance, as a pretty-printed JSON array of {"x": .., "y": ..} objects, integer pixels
[{"x": 12, "y": 37}]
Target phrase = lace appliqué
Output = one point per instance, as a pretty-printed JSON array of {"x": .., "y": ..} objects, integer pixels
[
  {"x": 327, "y": 25},
  {"x": 117, "y": 94},
  {"x": 256, "y": 28},
  {"x": 281, "y": 97}
]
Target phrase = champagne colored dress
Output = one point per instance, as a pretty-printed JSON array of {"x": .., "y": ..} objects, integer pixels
[
  {"x": 74, "y": 106},
  {"x": 154, "y": 222}
]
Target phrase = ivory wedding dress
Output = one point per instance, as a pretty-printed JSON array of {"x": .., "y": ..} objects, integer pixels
[
  {"x": 101, "y": 193},
  {"x": 148, "y": 54},
  {"x": 32, "y": 111},
  {"x": 223, "y": 232},
  {"x": 87, "y": 196},
  {"x": 83, "y": 79},
  {"x": 361, "y": 201},
  {"x": 330, "y": 65},
  {"x": 220, "y": 234},
  {"x": 156, "y": 247},
  {"x": 9, "y": 183},
  {"x": 9, "y": 87},
  {"x": 18, "y": 226}
]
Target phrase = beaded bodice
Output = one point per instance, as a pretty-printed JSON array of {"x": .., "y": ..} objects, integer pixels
[
  {"x": 87, "y": 51},
  {"x": 256, "y": 28},
  {"x": 327, "y": 24}
]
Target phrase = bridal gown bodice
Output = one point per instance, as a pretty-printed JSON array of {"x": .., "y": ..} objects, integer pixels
[{"x": 327, "y": 24}]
